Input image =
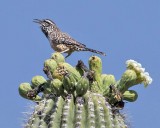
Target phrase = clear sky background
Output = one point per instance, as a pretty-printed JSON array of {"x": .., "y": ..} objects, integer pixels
[{"x": 124, "y": 29}]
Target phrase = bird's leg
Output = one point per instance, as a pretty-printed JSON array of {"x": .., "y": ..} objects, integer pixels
[
  {"x": 65, "y": 50},
  {"x": 69, "y": 53}
]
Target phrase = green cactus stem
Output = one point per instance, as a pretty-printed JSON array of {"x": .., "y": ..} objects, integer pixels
[
  {"x": 128, "y": 80},
  {"x": 89, "y": 111},
  {"x": 78, "y": 97}
]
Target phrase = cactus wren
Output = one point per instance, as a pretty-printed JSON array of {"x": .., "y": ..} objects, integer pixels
[{"x": 60, "y": 41}]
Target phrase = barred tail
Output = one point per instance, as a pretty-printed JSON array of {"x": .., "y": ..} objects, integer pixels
[{"x": 94, "y": 51}]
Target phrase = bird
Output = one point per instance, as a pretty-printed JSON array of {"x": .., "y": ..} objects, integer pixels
[{"x": 60, "y": 41}]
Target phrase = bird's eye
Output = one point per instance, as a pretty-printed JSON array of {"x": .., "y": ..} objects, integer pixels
[
  {"x": 44, "y": 24},
  {"x": 47, "y": 24}
]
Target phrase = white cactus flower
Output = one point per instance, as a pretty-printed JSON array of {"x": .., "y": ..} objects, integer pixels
[
  {"x": 137, "y": 67},
  {"x": 148, "y": 80}
]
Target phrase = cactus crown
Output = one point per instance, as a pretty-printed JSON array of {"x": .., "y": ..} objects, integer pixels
[{"x": 81, "y": 97}]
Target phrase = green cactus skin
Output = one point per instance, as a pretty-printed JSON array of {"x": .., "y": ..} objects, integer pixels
[
  {"x": 119, "y": 121},
  {"x": 23, "y": 91},
  {"x": 130, "y": 95},
  {"x": 89, "y": 111},
  {"x": 58, "y": 57},
  {"x": 82, "y": 86},
  {"x": 71, "y": 70},
  {"x": 51, "y": 64},
  {"x": 95, "y": 64},
  {"x": 128, "y": 80},
  {"x": 70, "y": 99},
  {"x": 57, "y": 87},
  {"x": 38, "y": 80},
  {"x": 63, "y": 69},
  {"x": 40, "y": 116},
  {"x": 69, "y": 83},
  {"x": 107, "y": 80}
]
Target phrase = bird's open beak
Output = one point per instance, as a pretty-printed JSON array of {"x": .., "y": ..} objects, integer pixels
[{"x": 37, "y": 21}]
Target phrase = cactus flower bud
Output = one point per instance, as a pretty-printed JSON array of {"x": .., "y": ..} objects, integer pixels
[
  {"x": 107, "y": 80},
  {"x": 57, "y": 87},
  {"x": 130, "y": 95},
  {"x": 58, "y": 57},
  {"x": 95, "y": 64},
  {"x": 69, "y": 83},
  {"x": 82, "y": 86},
  {"x": 23, "y": 91},
  {"x": 50, "y": 64},
  {"x": 38, "y": 80}
]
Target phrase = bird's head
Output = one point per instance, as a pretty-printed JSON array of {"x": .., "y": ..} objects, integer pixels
[{"x": 47, "y": 26}]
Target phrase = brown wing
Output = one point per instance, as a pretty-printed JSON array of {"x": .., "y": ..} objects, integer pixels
[{"x": 66, "y": 39}]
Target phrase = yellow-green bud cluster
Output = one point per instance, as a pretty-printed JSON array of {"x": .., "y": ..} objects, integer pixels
[
  {"x": 65, "y": 79},
  {"x": 71, "y": 93}
]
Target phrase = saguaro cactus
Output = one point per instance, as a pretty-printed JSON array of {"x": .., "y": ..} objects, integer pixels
[{"x": 81, "y": 97}]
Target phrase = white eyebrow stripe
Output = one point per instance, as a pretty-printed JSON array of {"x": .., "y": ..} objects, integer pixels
[{"x": 49, "y": 21}]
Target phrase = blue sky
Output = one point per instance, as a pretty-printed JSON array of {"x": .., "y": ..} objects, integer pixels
[{"x": 124, "y": 29}]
